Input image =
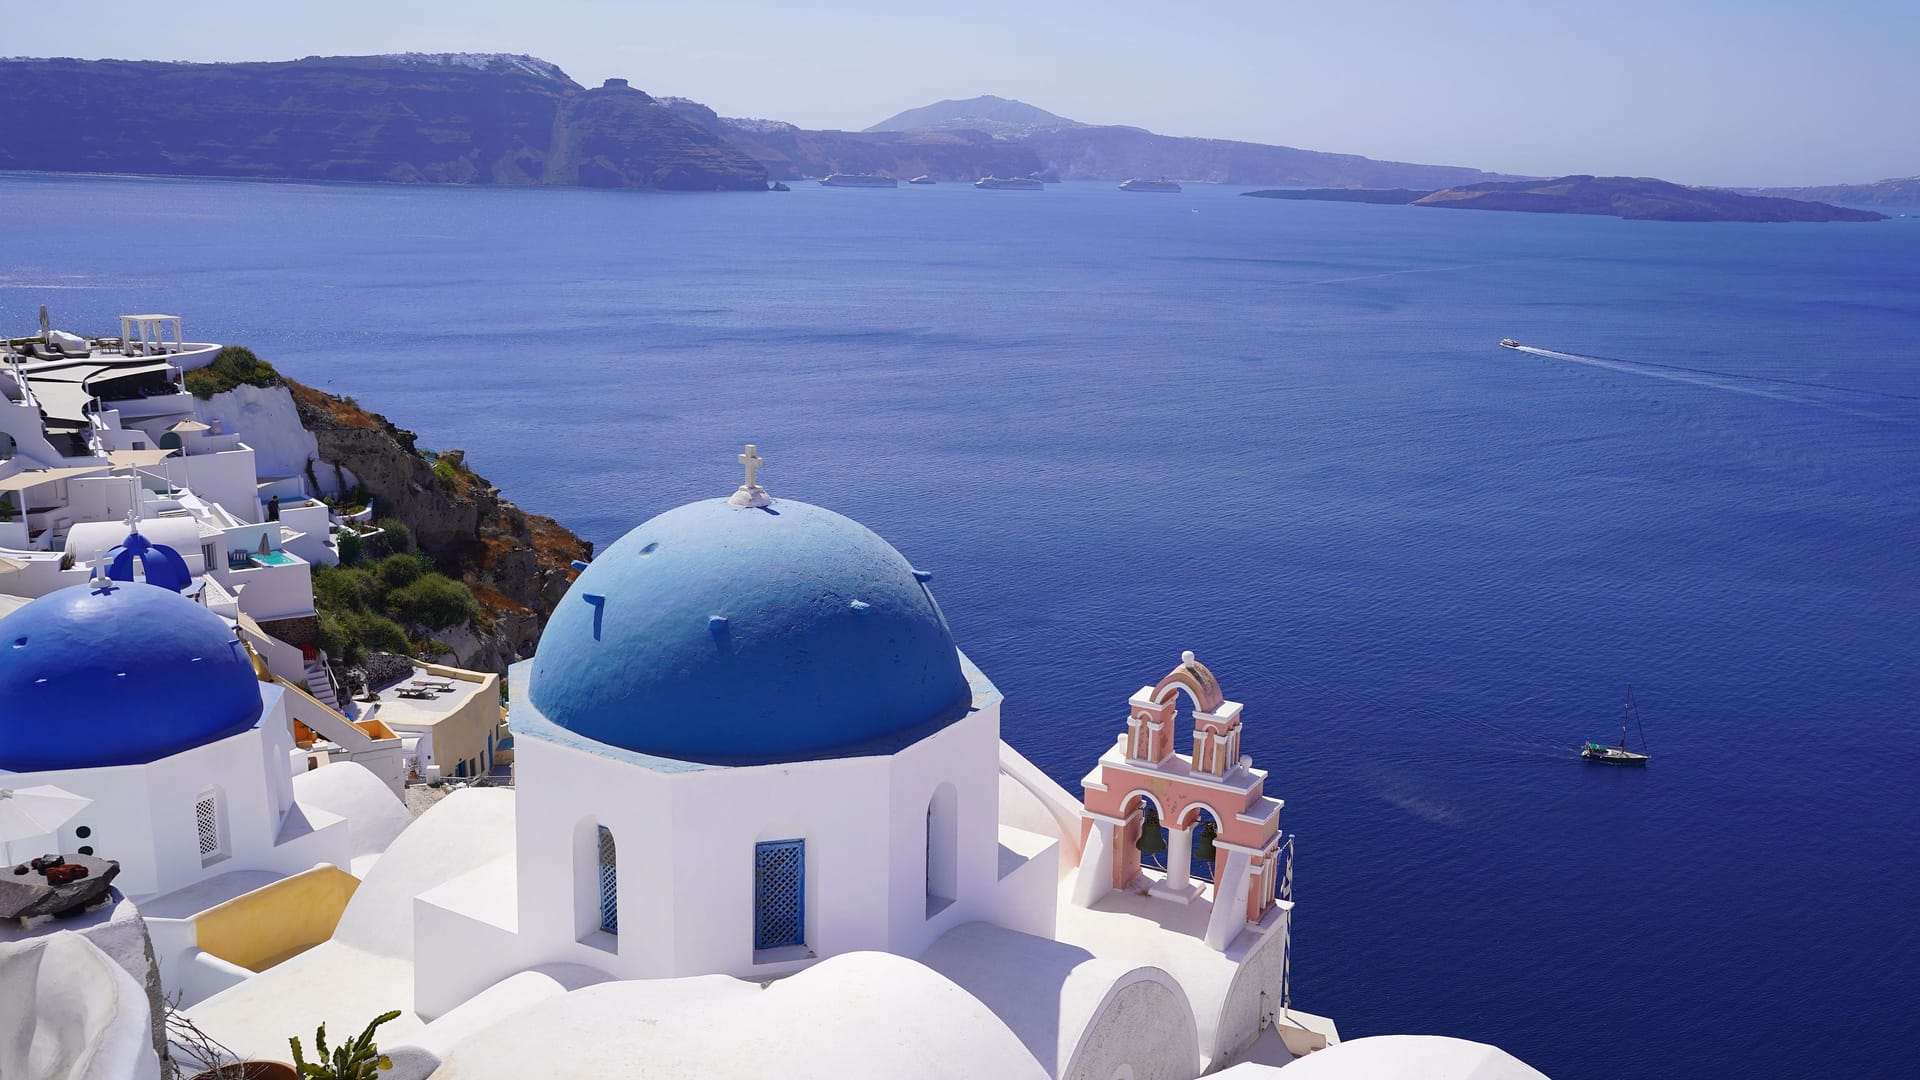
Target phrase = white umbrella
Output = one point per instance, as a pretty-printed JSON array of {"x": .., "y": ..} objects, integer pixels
[{"x": 35, "y": 813}]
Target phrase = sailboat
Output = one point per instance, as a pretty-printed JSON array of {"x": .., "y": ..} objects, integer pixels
[{"x": 1620, "y": 755}]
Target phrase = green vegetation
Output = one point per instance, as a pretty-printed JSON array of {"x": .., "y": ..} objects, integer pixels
[
  {"x": 368, "y": 606},
  {"x": 231, "y": 367},
  {"x": 394, "y": 534},
  {"x": 359, "y": 1059}
]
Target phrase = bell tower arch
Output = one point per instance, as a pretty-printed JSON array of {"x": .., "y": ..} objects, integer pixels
[{"x": 1214, "y": 796}]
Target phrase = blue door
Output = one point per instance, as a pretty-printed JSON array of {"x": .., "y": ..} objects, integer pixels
[{"x": 779, "y": 894}]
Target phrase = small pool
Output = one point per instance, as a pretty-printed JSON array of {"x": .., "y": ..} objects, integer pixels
[{"x": 275, "y": 558}]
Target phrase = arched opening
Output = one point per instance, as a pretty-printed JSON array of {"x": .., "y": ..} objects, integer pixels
[
  {"x": 1204, "y": 829},
  {"x": 170, "y": 441},
  {"x": 210, "y": 825},
  {"x": 1145, "y": 841},
  {"x": 943, "y": 849},
  {"x": 607, "y": 868}
]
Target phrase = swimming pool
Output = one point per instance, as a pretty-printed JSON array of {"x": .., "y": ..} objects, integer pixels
[{"x": 275, "y": 558}]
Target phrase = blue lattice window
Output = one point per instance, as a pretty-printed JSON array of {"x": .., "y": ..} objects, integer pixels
[
  {"x": 609, "y": 883},
  {"x": 779, "y": 893}
]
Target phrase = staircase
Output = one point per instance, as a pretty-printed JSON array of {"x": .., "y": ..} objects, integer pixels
[{"x": 320, "y": 685}]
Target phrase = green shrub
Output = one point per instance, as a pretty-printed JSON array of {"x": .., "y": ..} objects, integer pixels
[
  {"x": 399, "y": 571},
  {"x": 395, "y": 536},
  {"x": 232, "y": 366},
  {"x": 377, "y": 632},
  {"x": 350, "y": 548},
  {"x": 434, "y": 601},
  {"x": 342, "y": 588},
  {"x": 338, "y": 641}
]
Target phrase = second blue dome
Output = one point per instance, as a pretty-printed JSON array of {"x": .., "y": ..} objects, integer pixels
[{"x": 738, "y": 635}]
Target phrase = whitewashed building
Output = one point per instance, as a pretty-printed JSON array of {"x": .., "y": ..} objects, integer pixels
[{"x": 765, "y": 821}]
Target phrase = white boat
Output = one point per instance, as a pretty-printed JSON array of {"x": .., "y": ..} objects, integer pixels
[
  {"x": 859, "y": 180},
  {"x": 1009, "y": 183},
  {"x": 923, "y": 180},
  {"x": 1151, "y": 185},
  {"x": 1620, "y": 755},
  {"x": 1509, "y": 343}
]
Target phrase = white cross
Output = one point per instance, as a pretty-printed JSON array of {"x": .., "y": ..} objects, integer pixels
[{"x": 752, "y": 460}]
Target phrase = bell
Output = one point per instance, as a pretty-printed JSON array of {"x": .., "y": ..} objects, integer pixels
[
  {"x": 1152, "y": 841},
  {"x": 1203, "y": 847}
]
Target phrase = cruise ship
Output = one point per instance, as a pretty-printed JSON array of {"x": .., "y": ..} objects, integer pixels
[
  {"x": 1009, "y": 183},
  {"x": 859, "y": 180},
  {"x": 1150, "y": 185}
]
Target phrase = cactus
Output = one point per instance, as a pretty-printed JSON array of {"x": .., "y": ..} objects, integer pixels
[{"x": 359, "y": 1059}]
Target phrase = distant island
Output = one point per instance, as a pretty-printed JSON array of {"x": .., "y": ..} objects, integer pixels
[
  {"x": 1632, "y": 198},
  {"x": 1901, "y": 191},
  {"x": 454, "y": 118},
  {"x": 506, "y": 119}
]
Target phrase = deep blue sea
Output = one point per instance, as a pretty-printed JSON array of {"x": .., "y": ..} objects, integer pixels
[{"x": 1280, "y": 434}]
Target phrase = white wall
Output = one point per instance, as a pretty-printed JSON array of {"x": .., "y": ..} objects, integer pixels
[
  {"x": 686, "y": 843},
  {"x": 271, "y": 422},
  {"x": 143, "y": 815}
]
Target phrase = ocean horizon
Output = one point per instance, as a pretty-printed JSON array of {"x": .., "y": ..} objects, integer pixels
[{"x": 1283, "y": 435}]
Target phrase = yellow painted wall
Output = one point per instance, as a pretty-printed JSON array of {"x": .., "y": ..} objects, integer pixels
[{"x": 277, "y": 921}]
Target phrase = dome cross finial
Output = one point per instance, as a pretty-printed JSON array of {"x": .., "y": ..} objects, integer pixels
[{"x": 751, "y": 494}]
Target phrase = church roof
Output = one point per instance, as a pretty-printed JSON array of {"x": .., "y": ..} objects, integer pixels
[
  {"x": 746, "y": 634},
  {"x": 118, "y": 674}
]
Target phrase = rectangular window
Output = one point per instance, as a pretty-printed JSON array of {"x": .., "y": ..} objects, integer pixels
[
  {"x": 609, "y": 883},
  {"x": 779, "y": 894},
  {"x": 206, "y": 819}
]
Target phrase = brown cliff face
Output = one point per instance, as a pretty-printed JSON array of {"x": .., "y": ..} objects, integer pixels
[
  {"x": 517, "y": 564},
  {"x": 617, "y": 136},
  {"x": 409, "y": 119}
]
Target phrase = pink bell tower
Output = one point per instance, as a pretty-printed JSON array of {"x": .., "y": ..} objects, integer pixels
[{"x": 1143, "y": 775}]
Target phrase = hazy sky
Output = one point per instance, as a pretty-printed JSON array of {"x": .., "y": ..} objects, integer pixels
[{"x": 1707, "y": 91}]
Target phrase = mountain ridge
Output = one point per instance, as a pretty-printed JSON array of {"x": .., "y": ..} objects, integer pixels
[{"x": 459, "y": 118}]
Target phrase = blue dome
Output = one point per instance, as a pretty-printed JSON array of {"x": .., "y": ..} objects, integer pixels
[
  {"x": 161, "y": 565},
  {"x": 121, "y": 674},
  {"x": 733, "y": 635}
]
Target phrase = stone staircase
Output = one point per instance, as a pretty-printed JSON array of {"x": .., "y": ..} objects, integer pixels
[{"x": 321, "y": 686}]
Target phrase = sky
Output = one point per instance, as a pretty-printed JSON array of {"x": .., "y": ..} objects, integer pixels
[{"x": 1758, "y": 92}]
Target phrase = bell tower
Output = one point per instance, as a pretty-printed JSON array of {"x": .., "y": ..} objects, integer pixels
[{"x": 1212, "y": 803}]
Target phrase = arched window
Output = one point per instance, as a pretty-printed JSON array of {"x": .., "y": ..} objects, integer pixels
[
  {"x": 209, "y": 822},
  {"x": 779, "y": 894},
  {"x": 943, "y": 849},
  {"x": 609, "y": 866}
]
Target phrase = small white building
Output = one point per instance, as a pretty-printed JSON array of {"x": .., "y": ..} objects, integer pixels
[{"x": 145, "y": 703}]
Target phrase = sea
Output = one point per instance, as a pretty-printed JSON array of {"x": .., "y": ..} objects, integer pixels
[{"x": 1283, "y": 435}]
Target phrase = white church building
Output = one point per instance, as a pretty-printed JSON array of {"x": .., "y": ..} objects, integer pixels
[{"x": 763, "y": 820}]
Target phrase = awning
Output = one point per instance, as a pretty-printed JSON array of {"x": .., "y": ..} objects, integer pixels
[
  {"x": 21, "y": 481},
  {"x": 135, "y": 459},
  {"x": 190, "y": 425}
]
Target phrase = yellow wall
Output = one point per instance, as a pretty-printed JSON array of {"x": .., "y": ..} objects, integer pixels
[
  {"x": 277, "y": 921},
  {"x": 461, "y": 735}
]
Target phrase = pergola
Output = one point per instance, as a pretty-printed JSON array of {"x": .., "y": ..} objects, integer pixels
[{"x": 149, "y": 331}]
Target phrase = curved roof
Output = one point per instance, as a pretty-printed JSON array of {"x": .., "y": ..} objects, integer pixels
[
  {"x": 1398, "y": 1057},
  {"x": 118, "y": 674},
  {"x": 856, "y": 1014},
  {"x": 159, "y": 564},
  {"x": 745, "y": 635}
]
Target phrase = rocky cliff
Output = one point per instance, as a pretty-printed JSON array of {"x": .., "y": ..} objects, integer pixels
[
  {"x": 460, "y": 118},
  {"x": 518, "y": 565}
]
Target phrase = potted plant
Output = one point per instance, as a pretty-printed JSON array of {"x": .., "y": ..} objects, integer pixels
[{"x": 359, "y": 1059}]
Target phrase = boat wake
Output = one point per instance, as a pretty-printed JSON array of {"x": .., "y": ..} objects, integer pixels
[{"x": 1763, "y": 386}]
